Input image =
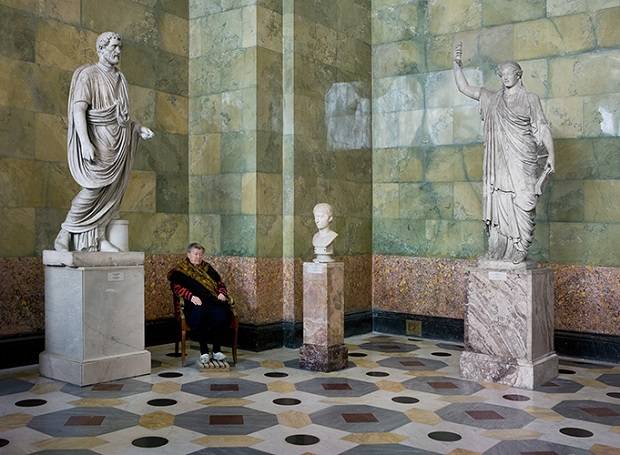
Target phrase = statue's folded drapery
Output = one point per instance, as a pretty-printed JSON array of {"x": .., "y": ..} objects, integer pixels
[
  {"x": 512, "y": 141},
  {"x": 114, "y": 137}
]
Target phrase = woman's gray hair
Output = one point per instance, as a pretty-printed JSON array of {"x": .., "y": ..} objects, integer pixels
[{"x": 195, "y": 246}]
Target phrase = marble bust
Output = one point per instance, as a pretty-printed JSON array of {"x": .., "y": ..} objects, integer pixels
[
  {"x": 516, "y": 135},
  {"x": 323, "y": 240},
  {"x": 101, "y": 143}
]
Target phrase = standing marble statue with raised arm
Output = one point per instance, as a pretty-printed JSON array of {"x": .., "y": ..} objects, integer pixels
[
  {"x": 515, "y": 129},
  {"x": 101, "y": 142}
]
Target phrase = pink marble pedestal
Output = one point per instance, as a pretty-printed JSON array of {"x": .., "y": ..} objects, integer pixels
[
  {"x": 323, "y": 348},
  {"x": 509, "y": 325}
]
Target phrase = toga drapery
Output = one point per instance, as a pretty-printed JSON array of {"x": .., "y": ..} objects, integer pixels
[
  {"x": 512, "y": 139},
  {"x": 114, "y": 137}
]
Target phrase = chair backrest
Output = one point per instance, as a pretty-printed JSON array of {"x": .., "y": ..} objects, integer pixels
[{"x": 177, "y": 304}]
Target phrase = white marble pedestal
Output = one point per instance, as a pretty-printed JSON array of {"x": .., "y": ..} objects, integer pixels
[
  {"x": 323, "y": 348},
  {"x": 94, "y": 317},
  {"x": 509, "y": 325}
]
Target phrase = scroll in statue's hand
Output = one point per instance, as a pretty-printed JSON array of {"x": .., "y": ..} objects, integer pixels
[
  {"x": 458, "y": 54},
  {"x": 146, "y": 133},
  {"x": 550, "y": 165}
]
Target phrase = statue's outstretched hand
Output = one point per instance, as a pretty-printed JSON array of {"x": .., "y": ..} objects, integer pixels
[
  {"x": 458, "y": 54},
  {"x": 550, "y": 165},
  {"x": 146, "y": 133}
]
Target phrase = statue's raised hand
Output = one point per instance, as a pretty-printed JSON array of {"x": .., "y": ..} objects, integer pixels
[{"x": 458, "y": 54}]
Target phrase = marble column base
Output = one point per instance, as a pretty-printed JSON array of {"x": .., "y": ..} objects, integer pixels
[
  {"x": 516, "y": 373},
  {"x": 93, "y": 371},
  {"x": 322, "y": 358},
  {"x": 509, "y": 325},
  {"x": 94, "y": 317}
]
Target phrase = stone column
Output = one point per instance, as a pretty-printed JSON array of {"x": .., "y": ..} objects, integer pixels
[
  {"x": 94, "y": 317},
  {"x": 323, "y": 305},
  {"x": 509, "y": 325}
]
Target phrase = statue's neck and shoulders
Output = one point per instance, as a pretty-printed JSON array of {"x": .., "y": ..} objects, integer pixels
[{"x": 324, "y": 238}]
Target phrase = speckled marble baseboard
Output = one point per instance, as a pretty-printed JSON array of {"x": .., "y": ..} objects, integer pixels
[{"x": 587, "y": 299}]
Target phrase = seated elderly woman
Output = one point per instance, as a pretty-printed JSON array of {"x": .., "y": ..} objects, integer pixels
[{"x": 208, "y": 309}]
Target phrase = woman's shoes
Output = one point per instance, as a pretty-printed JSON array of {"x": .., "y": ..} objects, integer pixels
[{"x": 219, "y": 356}]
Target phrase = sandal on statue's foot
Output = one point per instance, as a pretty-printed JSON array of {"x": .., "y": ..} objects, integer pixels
[
  {"x": 62, "y": 241},
  {"x": 519, "y": 257}
]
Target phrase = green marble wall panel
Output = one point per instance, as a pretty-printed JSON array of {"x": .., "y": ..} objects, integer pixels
[
  {"x": 427, "y": 137},
  {"x": 44, "y": 42}
]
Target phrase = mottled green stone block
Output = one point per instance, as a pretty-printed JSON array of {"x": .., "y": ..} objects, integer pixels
[
  {"x": 141, "y": 192},
  {"x": 354, "y": 19},
  {"x": 157, "y": 233},
  {"x": 165, "y": 153},
  {"x": 172, "y": 193},
  {"x": 607, "y": 157},
  {"x": 602, "y": 201},
  {"x": 238, "y": 235},
  {"x": 354, "y": 165},
  {"x": 472, "y": 160},
  {"x": 426, "y": 200},
  {"x": 440, "y": 49},
  {"x": 303, "y": 230},
  {"x": 496, "y": 12},
  {"x": 496, "y": 43},
  {"x": 47, "y": 223},
  {"x": 539, "y": 249},
  {"x": 171, "y": 113},
  {"x": 585, "y": 243},
  {"x": 599, "y": 115},
  {"x": 223, "y": 32},
  {"x": 385, "y": 164},
  {"x": 172, "y": 73},
  {"x": 447, "y": 16},
  {"x": 268, "y": 28},
  {"x": 60, "y": 188},
  {"x": 50, "y": 87},
  {"x": 200, "y": 8},
  {"x": 68, "y": 11},
  {"x": 18, "y": 231},
  {"x": 268, "y": 151},
  {"x": 567, "y": 200},
  {"x": 400, "y": 93},
  {"x": 16, "y": 138},
  {"x": 448, "y": 238},
  {"x": 581, "y": 74},
  {"x": 574, "y": 159},
  {"x": 565, "y": 116},
  {"x": 238, "y": 69},
  {"x": 17, "y": 31},
  {"x": 399, "y": 237},
  {"x": 204, "y": 154},
  {"x": 204, "y": 114},
  {"x": 385, "y": 198},
  {"x": 140, "y": 65},
  {"x": 467, "y": 127},
  {"x": 356, "y": 236},
  {"x": 403, "y": 57},
  {"x": 133, "y": 21},
  {"x": 269, "y": 236},
  {"x": 142, "y": 105},
  {"x": 204, "y": 75},
  {"x": 217, "y": 194},
  {"x": 559, "y": 35},
  {"x": 322, "y": 12},
  {"x": 64, "y": 46},
  {"x": 205, "y": 229},
  {"x": 268, "y": 194},
  {"x": 22, "y": 183},
  {"x": 176, "y": 7},
  {"x": 174, "y": 33},
  {"x": 238, "y": 152},
  {"x": 444, "y": 164},
  {"x": 467, "y": 200},
  {"x": 50, "y": 138},
  {"x": 395, "y": 23},
  {"x": 606, "y": 27}
]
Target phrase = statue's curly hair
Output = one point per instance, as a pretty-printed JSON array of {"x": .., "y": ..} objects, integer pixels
[{"x": 104, "y": 39}]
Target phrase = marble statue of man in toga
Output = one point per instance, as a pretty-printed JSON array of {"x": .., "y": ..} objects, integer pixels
[
  {"x": 323, "y": 240},
  {"x": 515, "y": 129},
  {"x": 101, "y": 142}
]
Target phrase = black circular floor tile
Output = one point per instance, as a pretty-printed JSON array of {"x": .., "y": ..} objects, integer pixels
[
  {"x": 170, "y": 374},
  {"x": 614, "y": 394},
  {"x": 407, "y": 400},
  {"x": 276, "y": 374},
  {"x": 576, "y": 432},
  {"x": 30, "y": 403},
  {"x": 415, "y": 339},
  {"x": 357, "y": 354},
  {"x": 441, "y": 354},
  {"x": 377, "y": 374},
  {"x": 174, "y": 354},
  {"x": 287, "y": 401},
  {"x": 515, "y": 397},
  {"x": 149, "y": 442},
  {"x": 162, "y": 402},
  {"x": 444, "y": 436},
  {"x": 302, "y": 439},
  {"x": 3, "y": 442},
  {"x": 565, "y": 371}
]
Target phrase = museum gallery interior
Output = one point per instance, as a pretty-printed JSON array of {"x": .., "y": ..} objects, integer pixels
[{"x": 310, "y": 227}]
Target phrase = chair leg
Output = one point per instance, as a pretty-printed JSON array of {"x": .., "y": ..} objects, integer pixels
[
  {"x": 183, "y": 347},
  {"x": 234, "y": 346}
]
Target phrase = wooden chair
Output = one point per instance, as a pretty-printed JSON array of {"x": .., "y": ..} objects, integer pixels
[{"x": 183, "y": 327}]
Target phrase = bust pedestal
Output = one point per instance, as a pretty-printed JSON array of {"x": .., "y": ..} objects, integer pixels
[
  {"x": 94, "y": 317},
  {"x": 323, "y": 348},
  {"x": 509, "y": 325}
]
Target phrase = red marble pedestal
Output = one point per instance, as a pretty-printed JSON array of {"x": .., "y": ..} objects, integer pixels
[{"x": 323, "y": 348}]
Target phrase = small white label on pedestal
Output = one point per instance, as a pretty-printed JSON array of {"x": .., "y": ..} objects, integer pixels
[
  {"x": 497, "y": 276},
  {"x": 315, "y": 268},
  {"x": 116, "y": 276}
]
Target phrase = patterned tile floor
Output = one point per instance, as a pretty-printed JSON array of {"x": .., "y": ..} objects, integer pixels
[{"x": 399, "y": 396}]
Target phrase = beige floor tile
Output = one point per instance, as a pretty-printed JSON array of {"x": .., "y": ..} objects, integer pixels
[
  {"x": 294, "y": 419},
  {"x": 12, "y": 421},
  {"x": 156, "y": 420},
  {"x": 166, "y": 387},
  {"x": 227, "y": 441},
  {"x": 281, "y": 387},
  {"x": 390, "y": 386},
  {"x": 97, "y": 402},
  {"x": 422, "y": 416},
  {"x": 225, "y": 402},
  {"x": 505, "y": 435},
  {"x": 70, "y": 443},
  {"x": 375, "y": 438}
]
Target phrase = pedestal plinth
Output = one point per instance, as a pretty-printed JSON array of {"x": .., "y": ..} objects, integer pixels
[
  {"x": 323, "y": 348},
  {"x": 509, "y": 325},
  {"x": 94, "y": 317}
]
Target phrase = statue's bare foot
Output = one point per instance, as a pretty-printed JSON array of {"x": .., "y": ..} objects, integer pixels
[
  {"x": 62, "y": 241},
  {"x": 106, "y": 246}
]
